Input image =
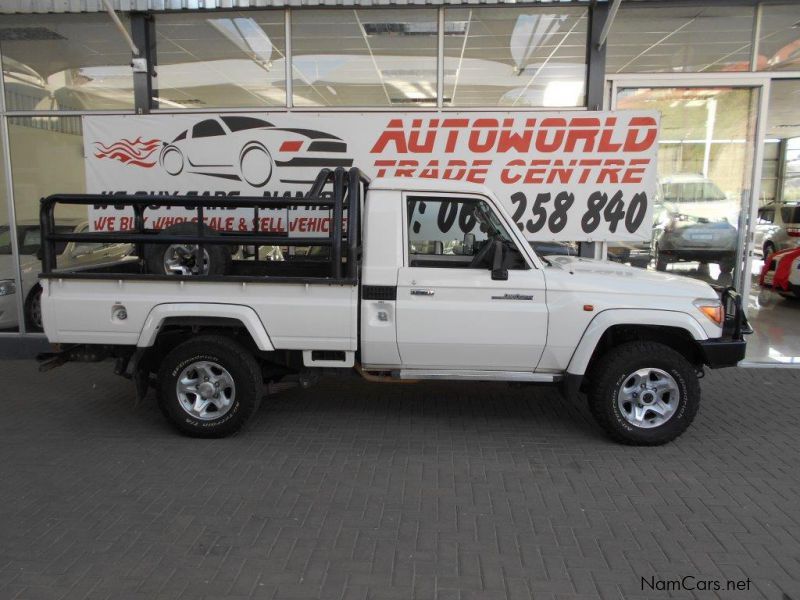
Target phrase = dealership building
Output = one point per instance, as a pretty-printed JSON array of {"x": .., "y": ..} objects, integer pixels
[{"x": 723, "y": 75}]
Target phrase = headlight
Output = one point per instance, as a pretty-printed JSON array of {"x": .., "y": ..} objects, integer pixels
[
  {"x": 711, "y": 308},
  {"x": 7, "y": 287}
]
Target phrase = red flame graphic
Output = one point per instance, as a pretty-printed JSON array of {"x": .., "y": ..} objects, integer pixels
[{"x": 130, "y": 152}]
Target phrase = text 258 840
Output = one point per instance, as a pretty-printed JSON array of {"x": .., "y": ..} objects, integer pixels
[{"x": 554, "y": 211}]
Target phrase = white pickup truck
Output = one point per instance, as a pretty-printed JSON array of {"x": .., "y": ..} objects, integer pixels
[{"x": 435, "y": 282}]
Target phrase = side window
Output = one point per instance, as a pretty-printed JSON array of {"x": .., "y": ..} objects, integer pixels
[
  {"x": 451, "y": 232},
  {"x": 766, "y": 216},
  {"x": 207, "y": 128},
  {"x": 241, "y": 123}
]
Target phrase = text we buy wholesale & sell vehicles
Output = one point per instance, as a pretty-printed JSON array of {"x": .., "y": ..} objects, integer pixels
[{"x": 413, "y": 278}]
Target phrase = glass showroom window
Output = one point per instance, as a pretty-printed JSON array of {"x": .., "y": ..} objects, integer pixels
[
  {"x": 46, "y": 158},
  {"x": 221, "y": 59},
  {"x": 705, "y": 155},
  {"x": 371, "y": 57},
  {"x": 779, "y": 42},
  {"x": 510, "y": 57},
  {"x": 9, "y": 321},
  {"x": 65, "y": 62},
  {"x": 680, "y": 39}
]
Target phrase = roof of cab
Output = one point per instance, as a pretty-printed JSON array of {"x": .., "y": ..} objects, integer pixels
[{"x": 419, "y": 184}]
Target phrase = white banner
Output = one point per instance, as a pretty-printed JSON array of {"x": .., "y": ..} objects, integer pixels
[{"x": 561, "y": 175}]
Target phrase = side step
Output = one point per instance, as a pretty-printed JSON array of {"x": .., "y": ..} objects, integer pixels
[{"x": 474, "y": 375}]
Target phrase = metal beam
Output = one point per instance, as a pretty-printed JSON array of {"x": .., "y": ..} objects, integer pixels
[
  {"x": 120, "y": 27},
  {"x": 612, "y": 13},
  {"x": 596, "y": 57},
  {"x": 144, "y": 67}
]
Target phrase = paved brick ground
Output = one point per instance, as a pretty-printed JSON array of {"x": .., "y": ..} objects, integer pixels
[{"x": 353, "y": 490}]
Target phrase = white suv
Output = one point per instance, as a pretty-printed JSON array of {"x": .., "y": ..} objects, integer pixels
[{"x": 777, "y": 228}]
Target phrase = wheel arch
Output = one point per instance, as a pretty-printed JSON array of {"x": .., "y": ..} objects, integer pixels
[
  {"x": 610, "y": 328},
  {"x": 204, "y": 315}
]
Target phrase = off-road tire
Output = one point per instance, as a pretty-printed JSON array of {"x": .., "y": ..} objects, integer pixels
[
  {"x": 231, "y": 355},
  {"x": 219, "y": 256},
  {"x": 613, "y": 369}
]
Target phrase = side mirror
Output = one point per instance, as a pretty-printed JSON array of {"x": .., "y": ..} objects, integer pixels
[{"x": 499, "y": 272}]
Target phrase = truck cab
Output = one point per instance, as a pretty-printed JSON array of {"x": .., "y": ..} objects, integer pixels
[{"x": 467, "y": 291}]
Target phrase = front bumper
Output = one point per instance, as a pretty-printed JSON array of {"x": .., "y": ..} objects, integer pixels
[
  {"x": 699, "y": 254},
  {"x": 729, "y": 349},
  {"x": 721, "y": 353}
]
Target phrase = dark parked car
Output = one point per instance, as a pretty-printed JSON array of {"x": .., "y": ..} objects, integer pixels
[{"x": 687, "y": 238}]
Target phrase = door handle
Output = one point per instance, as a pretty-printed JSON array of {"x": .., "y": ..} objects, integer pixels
[{"x": 420, "y": 292}]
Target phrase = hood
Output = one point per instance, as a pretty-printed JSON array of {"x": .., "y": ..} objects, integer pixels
[{"x": 602, "y": 275}]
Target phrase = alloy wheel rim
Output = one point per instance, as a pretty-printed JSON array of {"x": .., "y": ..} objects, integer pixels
[
  {"x": 180, "y": 259},
  {"x": 206, "y": 390},
  {"x": 648, "y": 397}
]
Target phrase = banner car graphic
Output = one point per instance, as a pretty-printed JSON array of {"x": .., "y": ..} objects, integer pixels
[{"x": 562, "y": 176}]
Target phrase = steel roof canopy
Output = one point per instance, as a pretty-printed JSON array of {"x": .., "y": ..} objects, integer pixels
[{"x": 93, "y": 6}]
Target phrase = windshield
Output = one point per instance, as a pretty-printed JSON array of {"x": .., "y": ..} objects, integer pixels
[
  {"x": 30, "y": 239},
  {"x": 790, "y": 214},
  {"x": 5, "y": 240},
  {"x": 691, "y": 219},
  {"x": 489, "y": 222},
  {"x": 695, "y": 191}
]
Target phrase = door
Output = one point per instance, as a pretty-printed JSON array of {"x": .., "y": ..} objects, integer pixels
[{"x": 451, "y": 312}]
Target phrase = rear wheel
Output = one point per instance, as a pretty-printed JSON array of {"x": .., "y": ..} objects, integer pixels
[
  {"x": 33, "y": 310},
  {"x": 644, "y": 393},
  {"x": 661, "y": 262},
  {"x": 727, "y": 265},
  {"x": 209, "y": 386}
]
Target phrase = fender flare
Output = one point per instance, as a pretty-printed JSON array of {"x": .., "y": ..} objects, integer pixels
[
  {"x": 624, "y": 316},
  {"x": 244, "y": 314}
]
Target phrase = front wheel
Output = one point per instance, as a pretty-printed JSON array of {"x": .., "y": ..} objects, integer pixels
[
  {"x": 255, "y": 164},
  {"x": 209, "y": 386},
  {"x": 644, "y": 393}
]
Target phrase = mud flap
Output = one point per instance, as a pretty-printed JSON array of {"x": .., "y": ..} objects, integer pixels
[{"x": 139, "y": 374}]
